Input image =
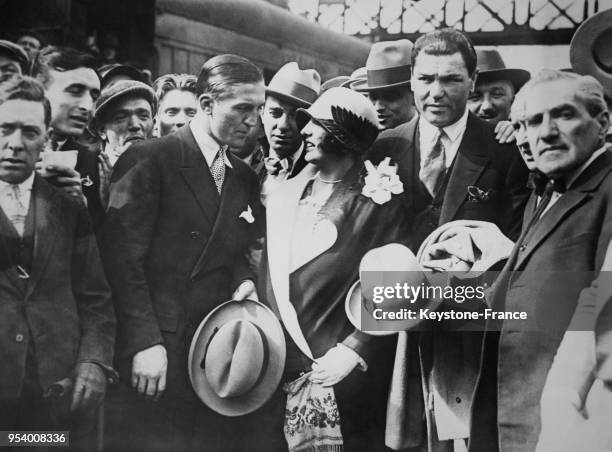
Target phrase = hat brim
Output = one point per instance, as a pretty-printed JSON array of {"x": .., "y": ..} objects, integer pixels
[
  {"x": 129, "y": 71},
  {"x": 518, "y": 77},
  {"x": 289, "y": 98},
  {"x": 302, "y": 118},
  {"x": 267, "y": 322},
  {"x": 582, "y": 59},
  {"x": 353, "y": 309},
  {"x": 362, "y": 85},
  {"x": 146, "y": 94}
]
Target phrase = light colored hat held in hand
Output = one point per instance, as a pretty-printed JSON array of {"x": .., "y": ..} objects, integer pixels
[
  {"x": 300, "y": 87},
  {"x": 237, "y": 357},
  {"x": 348, "y": 116},
  {"x": 388, "y": 66}
]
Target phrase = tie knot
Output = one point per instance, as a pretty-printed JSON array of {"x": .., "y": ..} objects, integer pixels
[{"x": 543, "y": 184}]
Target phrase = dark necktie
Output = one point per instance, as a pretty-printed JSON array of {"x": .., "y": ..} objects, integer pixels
[
  {"x": 434, "y": 166},
  {"x": 275, "y": 165}
]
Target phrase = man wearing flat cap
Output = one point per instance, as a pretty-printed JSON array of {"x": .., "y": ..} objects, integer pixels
[
  {"x": 182, "y": 213},
  {"x": 387, "y": 82},
  {"x": 290, "y": 88},
  {"x": 13, "y": 60}
]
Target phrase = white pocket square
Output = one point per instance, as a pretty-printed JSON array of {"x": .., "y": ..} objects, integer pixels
[{"x": 247, "y": 215}]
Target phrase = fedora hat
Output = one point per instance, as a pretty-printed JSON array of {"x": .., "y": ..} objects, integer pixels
[
  {"x": 358, "y": 74},
  {"x": 385, "y": 266},
  {"x": 300, "y": 87},
  {"x": 387, "y": 66},
  {"x": 591, "y": 49},
  {"x": 349, "y": 116},
  {"x": 334, "y": 82},
  {"x": 491, "y": 67},
  {"x": 237, "y": 357}
]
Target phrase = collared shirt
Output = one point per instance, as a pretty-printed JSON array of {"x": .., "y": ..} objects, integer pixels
[
  {"x": 207, "y": 144},
  {"x": 273, "y": 182},
  {"x": 428, "y": 135},
  {"x": 9, "y": 204},
  {"x": 572, "y": 177}
]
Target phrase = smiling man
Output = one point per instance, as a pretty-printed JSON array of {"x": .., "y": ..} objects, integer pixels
[
  {"x": 182, "y": 213},
  {"x": 452, "y": 168},
  {"x": 124, "y": 116}
]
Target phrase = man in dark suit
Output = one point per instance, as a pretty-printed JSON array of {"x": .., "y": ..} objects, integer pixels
[
  {"x": 452, "y": 168},
  {"x": 57, "y": 323},
  {"x": 72, "y": 86},
  {"x": 182, "y": 213},
  {"x": 565, "y": 234}
]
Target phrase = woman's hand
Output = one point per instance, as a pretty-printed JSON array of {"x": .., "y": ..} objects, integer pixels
[{"x": 334, "y": 366}]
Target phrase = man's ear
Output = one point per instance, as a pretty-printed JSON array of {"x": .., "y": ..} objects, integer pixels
[
  {"x": 604, "y": 121},
  {"x": 206, "y": 103},
  {"x": 102, "y": 132},
  {"x": 473, "y": 78}
]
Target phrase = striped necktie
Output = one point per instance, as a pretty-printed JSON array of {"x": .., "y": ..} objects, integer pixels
[
  {"x": 434, "y": 166},
  {"x": 19, "y": 211}
]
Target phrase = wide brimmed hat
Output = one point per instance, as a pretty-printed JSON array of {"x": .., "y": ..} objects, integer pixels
[
  {"x": 300, "y": 87},
  {"x": 491, "y": 67},
  {"x": 385, "y": 266},
  {"x": 237, "y": 357},
  {"x": 591, "y": 49},
  {"x": 108, "y": 71},
  {"x": 121, "y": 89},
  {"x": 359, "y": 74},
  {"x": 348, "y": 116},
  {"x": 15, "y": 51},
  {"x": 335, "y": 82},
  {"x": 388, "y": 66}
]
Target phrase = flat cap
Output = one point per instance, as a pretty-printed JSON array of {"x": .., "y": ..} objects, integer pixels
[
  {"x": 118, "y": 90},
  {"x": 14, "y": 50}
]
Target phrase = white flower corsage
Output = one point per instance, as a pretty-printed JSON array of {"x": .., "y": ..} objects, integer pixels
[{"x": 382, "y": 181}]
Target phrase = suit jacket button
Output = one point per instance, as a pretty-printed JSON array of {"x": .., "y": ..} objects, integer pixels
[
  {"x": 19, "y": 338},
  {"x": 458, "y": 399},
  {"x": 522, "y": 247},
  {"x": 194, "y": 234}
]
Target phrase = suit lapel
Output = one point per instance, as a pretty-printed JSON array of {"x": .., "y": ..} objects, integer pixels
[
  {"x": 8, "y": 230},
  {"x": 197, "y": 176},
  {"x": 47, "y": 206},
  {"x": 280, "y": 218},
  {"x": 227, "y": 212},
  {"x": 470, "y": 162}
]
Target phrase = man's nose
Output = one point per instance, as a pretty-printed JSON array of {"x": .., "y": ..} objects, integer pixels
[
  {"x": 548, "y": 130},
  {"x": 487, "y": 105},
  {"x": 86, "y": 103},
  {"x": 134, "y": 124},
  {"x": 15, "y": 141},
  {"x": 436, "y": 90},
  {"x": 251, "y": 118},
  {"x": 180, "y": 119}
]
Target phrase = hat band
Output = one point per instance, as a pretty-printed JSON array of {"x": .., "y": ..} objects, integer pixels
[
  {"x": 388, "y": 76},
  {"x": 294, "y": 89}
]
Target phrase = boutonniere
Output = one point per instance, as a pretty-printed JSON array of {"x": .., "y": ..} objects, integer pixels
[
  {"x": 382, "y": 181},
  {"x": 476, "y": 194},
  {"x": 247, "y": 215}
]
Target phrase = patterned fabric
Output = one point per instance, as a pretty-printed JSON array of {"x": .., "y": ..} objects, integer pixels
[
  {"x": 312, "y": 420},
  {"x": 434, "y": 165},
  {"x": 15, "y": 208},
  {"x": 218, "y": 169}
]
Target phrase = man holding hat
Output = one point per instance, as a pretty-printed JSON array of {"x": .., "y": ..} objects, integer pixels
[
  {"x": 290, "y": 88},
  {"x": 182, "y": 213},
  {"x": 387, "y": 82},
  {"x": 495, "y": 87},
  {"x": 13, "y": 60}
]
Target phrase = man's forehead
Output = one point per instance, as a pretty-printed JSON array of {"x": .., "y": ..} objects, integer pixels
[
  {"x": 550, "y": 95},
  {"x": 22, "y": 111},
  {"x": 276, "y": 102},
  {"x": 81, "y": 75},
  {"x": 246, "y": 92},
  {"x": 132, "y": 103},
  {"x": 447, "y": 64},
  {"x": 489, "y": 85}
]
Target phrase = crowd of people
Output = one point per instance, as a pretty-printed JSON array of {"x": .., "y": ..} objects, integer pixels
[{"x": 178, "y": 260}]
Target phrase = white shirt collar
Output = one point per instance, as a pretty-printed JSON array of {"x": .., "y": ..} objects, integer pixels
[
  {"x": 207, "y": 144},
  {"x": 453, "y": 131},
  {"x": 24, "y": 187},
  {"x": 294, "y": 157}
]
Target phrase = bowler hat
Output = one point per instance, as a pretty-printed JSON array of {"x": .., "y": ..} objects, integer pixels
[
  {"x": 387, "y": 66},
  {"x": 118, "y": 90},
  {"x": 385, "y": 266},
  {"x": 591, "y": 49},
  {"x": 347, "y": 115},
  {"x": 16, "y": 52},
  {"x": 491, "y": 67},
  {"x": 237, "y": 357},
  {"x": 300, "y": 87}
]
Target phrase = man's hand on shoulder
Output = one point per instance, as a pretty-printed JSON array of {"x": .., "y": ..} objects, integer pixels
[
  {"x": 149, "y": 367},
  {"x": 504, "y": 132},
  {"x": 246, "y": 290}
]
